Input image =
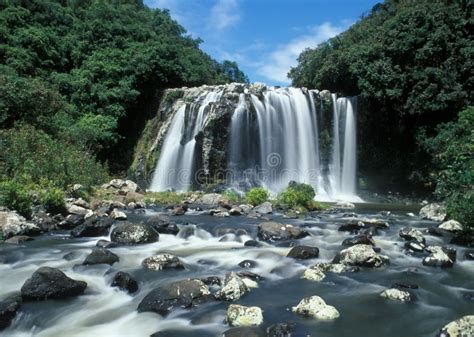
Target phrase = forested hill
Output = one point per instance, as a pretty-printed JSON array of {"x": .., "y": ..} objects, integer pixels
[{"x": 79, "y": 76}]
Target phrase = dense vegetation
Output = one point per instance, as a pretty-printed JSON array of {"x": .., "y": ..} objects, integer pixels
[
  {"x": 79, "y": 78},
  {"x": 411, "y": 63}
]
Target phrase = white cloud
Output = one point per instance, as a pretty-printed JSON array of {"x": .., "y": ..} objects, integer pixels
[
  {"x": 224, "y": 14},
  {"x": 277, "y": 64}
]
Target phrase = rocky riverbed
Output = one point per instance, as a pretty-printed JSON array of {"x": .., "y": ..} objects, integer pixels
[{"x": 374, "y": 270}]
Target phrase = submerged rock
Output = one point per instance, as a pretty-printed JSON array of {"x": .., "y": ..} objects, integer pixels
[
  {"x": 239, "y": 315},
  {"x": 451, "y": 226},
  {"x": 247, "y": 264},
  {"x": 280, "y": 330},
  {"x": 462, "y": 327},
  {"x": 440, "y": 257},
  {"x": 180, "y": 294},
  {"x": 315, "y": 307},
  {"x": 130, "y": 233},
  {"x": 362, "y": 256},
  {"x": 163, "y": 261},
  {"x": 18, "y": 239},
  {"x": 434, "y": 212},
  {"x": 11, "y": 224},
  {"x": 125, "y": 281},
  {"x": 303, "y": 252},
  {"x": 273, "y": 231},
  {"x": 362, "y": 239},
  {"x": 101, "y": 256},
  {"x": 396, "y": 294},
  {"x": 245, "y": 331},
  {"x": 51, "y": 283},
  {"x": 8, "y": 311},
  {"x": 233, "y": 289}
]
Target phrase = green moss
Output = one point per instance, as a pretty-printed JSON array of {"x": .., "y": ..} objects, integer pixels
[
  {"x": 256, "y": 196},
  {"x": 173, "y": 95}
]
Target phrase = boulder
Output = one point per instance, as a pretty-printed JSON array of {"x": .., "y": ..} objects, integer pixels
[
  {"x": 93, "y": 226},
  {"x": 118, "y": 215},
  {"x": 233, "y": 288},
  {"x": 361, "y": 256},
  {"x": 180, "y": 294},
  {"x": 303, "y": 252},
  {"x": 78, "y": 210},
  {"x": 72, "y": 221},
  {"x": 451, "y": 226},
  {"x": 81, "y": 203},
  {"x": 412, "y": 234},
  {"x": 315, "y": 307},
  {"x": 414, "y": 246},
  {"x": 162, "y": 261},
  {"x": 101, "y": 256},
  {"x": 273, "y": 231},
  {"x": 265, "y": 208},
  {"x": 8, "y": 311},
  {"x": 11, "y": 224},
  {"x": 51, "y": 283},
  {"x": 236, "y": 210},
  {"x": 239, "y": 315},
  {"x": 252, "y": 243},
  {"x": 162, "y": 224},
  {"x": 121, "y": 186},
  {"x": 440, "y": 257},
  {"x": 18, "y": 239},
  {"x": 434, "y": 212},
  {"x": 462, "y": 327},
  {"x": 45, "y": 221},
  {"x": 134, "y": 197},
  {"x": 317, "y": 272},
  {"x": 362, "y": 239},
  {"x": 132, "y": 233},
  {"x": 125, "y": 281},
  {"x": 395, "y": 294},
  {"x": 105, "y": 244},
  {"x": 179, "y": 210},
  {"x": 210, "y": 199}
]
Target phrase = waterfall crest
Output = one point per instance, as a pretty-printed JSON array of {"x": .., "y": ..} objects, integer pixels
[{"x": 275, "y": 135}]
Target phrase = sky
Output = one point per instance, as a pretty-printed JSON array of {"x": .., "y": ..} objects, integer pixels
[{"x": 264, "y": 37}]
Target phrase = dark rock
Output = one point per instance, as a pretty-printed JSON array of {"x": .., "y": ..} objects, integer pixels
[
  {"x": 93, "y": 226},
  {"x": 44, "y": 221},
  {"x": 179, "y": 210},
  {"x": 180, "y": 294},
  {"x": 248, "y": 264},
  {"x": 100, "y": 256},
  {"x": 105, "y": 244},
  {"x": 50, "y": 283},
  {"x": 469, "y": 255},
  {"x": 212, "y": 280},
  {"x": 71, "y": 221},
  {"x": 252, "y": 243},
  {"x": 280, "y": 330},
  {"x": 245, "y": 332},
  {"x": 162, "y": 224},
  {"x": 371, "y": 231},
  {"x": 130, "y": 233},
  {"x": 352, "y": 226},
  {"x": 468, "y": 296},
  {"x": 363, "y": 239},
  {"x": 18, "y": 239},
  {"x": 8, "y": 311},
  {"x": 434, "y": 231},
  {"x": 162, "y": 261},
  {"x": 250, "y": 275},
  {"x": 414, "y": 246},
  {"x": 71, "y": 256},
  {"x": 286, "y": 244},
  {"x": 125, "y": 281},
  {"x": 273, "y": 231},
  {"x": 303, "y": 252},
  {"x": 463, "y": 239}
]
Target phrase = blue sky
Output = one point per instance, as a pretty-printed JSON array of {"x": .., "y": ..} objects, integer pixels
[{"x": 263, "y": 36}]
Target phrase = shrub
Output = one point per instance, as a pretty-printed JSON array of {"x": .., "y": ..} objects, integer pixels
[
  {"x": 298, "y": 195},
  {"x": 256, "y": 196},
  {"x": 52, "y": 199},
  {"x": 232, "y": 195},
  {"x": 15, "y": 196}
]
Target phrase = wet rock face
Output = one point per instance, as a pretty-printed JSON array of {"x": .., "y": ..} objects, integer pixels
[
  {"x": 273, "y": 231},
  {"x": 461, "y": 327},
  {"x": 362, "y": 256},
  {"x": 125, "y": 281},
  {"x": 315, "y": 307},
  {"x": 180, "y": 294},
  {"x": 101, "y": 256},
  {"x": 239, "y": 315},
  {"x": 93, "y": 226},
  {"x": 303, "y": 252},
  {"x": 129, "y": 233},
  {"x": 50, "y": 283}
]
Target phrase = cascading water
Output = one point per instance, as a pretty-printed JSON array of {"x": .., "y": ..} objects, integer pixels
[
  {"x": 275, "y": 135},
  {"x": 175, "y": 167}
]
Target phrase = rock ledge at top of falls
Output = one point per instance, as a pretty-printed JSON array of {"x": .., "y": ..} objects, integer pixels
[{"x": 50, "y": 283}]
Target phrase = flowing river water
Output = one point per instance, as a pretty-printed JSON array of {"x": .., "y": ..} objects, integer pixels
[{"x": 443, "y": 294}]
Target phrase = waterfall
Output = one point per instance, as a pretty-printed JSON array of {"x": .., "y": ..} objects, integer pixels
[
  {"x": 175, "y": 168},
  {"x": 273, "y": 138}
]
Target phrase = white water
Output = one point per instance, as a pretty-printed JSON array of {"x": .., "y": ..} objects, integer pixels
[
  {"x": 175, "y": 168},
  {"x": 273, "y": 139}
]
